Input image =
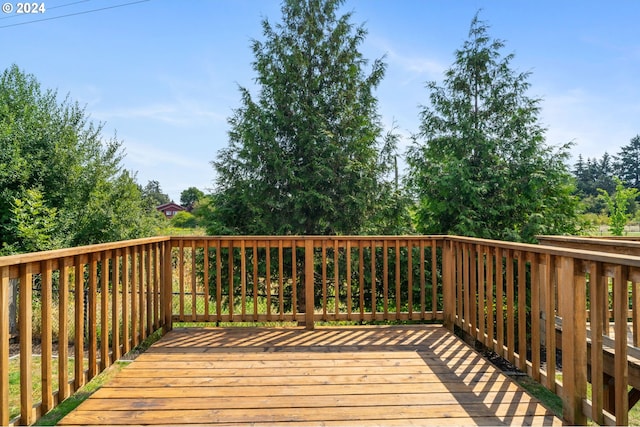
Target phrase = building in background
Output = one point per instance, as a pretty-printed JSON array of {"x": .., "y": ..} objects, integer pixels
[{"x": 170, "y": 209}]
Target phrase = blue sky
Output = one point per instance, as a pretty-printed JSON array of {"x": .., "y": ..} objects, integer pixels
[{"x": 164, "y": 74}]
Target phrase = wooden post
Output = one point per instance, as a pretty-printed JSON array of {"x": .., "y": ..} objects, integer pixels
[
  {"x": 308, "y": 284},
  {"x": 572, "y": 296}
]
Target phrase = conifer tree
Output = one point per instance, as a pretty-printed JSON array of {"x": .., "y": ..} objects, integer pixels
[
  {"x": 303, "y": 153},
  {"x": 479, "y": 165}
]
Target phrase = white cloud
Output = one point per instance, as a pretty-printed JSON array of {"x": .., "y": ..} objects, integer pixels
[
  {"x": 428, "y": 67},
  {"x": 179, "y": 113}
]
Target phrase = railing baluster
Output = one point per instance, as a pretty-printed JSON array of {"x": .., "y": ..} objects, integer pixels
[
  {"x": 324, "y": 279},
  {"x": 361, "y": 290},
  {"x": 218, "y": 281},
  {"x": 4, "y": 346},
  {"x": 255, "y": 281},
  {"x": 280, "y": 281},
  {"x": 466, "y": 288},
  {"x": 550, "y": 320},
  {"x": 481, "y": 284},
  {"x": 104, "y": 311},
  {"x": 596, "y": 300},
  {"x": 620, "y": 310},
  {"x": 473, "y": 289},
  {"x": 385, "y": 277},
  {"x": 489, "y": 298},
  {"x": 63, "y": 330},
  {"x": 267, "y": 277},
  {"x": 92, "y": 318},
  {"x": 167, "y": 284},
  {"x": 635, "y": 312},
  {"x": 231, "y": 283},
  {"x": 499, "y": 318},
  {"x": 79, "y": 323},
  {"x": 348, "y": 277},
  {"x": 144, "y": 284},
  {"x": 46, "y": 335},
  {"x": 336, "y": 277},
  {"x": 460, "y": 292},
  {"x": 511, "y": 334},
  {"x": 535, "y": 316},
  {"x": 181, "y": 279},
  {"x": 205, "y": 279},
  {"x": 194, "y": 285},
  {"x": 25, "y": 323},
  {"x": 522, "y": 312},
  {"x": 134, "y": 296},
  {"x": 309, "y": 283},
  {"x": 398, "y": 295},
  {"x": 294, "y": 280},
  {"x": 115, "y": 305},
  {"x": 148, "y": 296},
  {"x": 374, "y": 287},
  {"x": 126, "y": 343},
  {"x": 423, "y": 282},
  {"x": 243, "y": 279}
]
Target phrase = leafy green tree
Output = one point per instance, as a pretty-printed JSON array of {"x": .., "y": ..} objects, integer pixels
[
  {"x": 153, "y": 195},
  {"x": 618, "y": 205},
  {"x": 33, "y": 224},
  {"x": 628, "y": 163},
  {"x": 479, "y": 165},
  {"x": 189, "y": 197},
  {"x": 58, "y": 174},
  {"x": 205, "y": 215},
  {"x": 303, "y": 157},
  {"x": 184, "y": 219}
]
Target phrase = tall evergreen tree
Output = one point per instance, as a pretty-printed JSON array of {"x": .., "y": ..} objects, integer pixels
[
  {"x": 628, "y": 163},
  {"x": 480, "y": 165},
  {"x": 604, "y": 173},
  {"x": 303, "y": 155}
]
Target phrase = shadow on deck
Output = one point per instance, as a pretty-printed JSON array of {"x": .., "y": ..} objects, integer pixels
[{"x": 388, "y": 375}]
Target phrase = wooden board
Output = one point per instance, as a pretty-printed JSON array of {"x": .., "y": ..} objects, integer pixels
[{"x": 401, "y": 375}]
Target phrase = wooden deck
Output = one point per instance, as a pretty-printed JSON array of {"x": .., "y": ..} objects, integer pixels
[{"x": 399, "y": 375}]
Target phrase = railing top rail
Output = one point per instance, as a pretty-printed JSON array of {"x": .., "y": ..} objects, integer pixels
[
  {"x": 612, "y": 258},
  {"x": 80, "y": 250},
  {"x": 613, "y": 241},
  {"x": 315, "y": 237}
]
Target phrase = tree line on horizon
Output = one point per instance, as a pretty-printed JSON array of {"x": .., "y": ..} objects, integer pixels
[{"x": 308, "y": 153}]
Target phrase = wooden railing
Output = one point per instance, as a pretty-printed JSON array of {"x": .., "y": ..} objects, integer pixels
[
  {"x": 525, "y": 302},
  {"x": 307, "y": 279},
  {"x": 90, "y": 304}
]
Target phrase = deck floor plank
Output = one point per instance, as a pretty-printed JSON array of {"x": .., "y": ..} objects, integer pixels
[{"x": 395, "y": 375}]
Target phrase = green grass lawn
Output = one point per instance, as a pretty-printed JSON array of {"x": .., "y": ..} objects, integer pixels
[{"x": 36, "y": 375}]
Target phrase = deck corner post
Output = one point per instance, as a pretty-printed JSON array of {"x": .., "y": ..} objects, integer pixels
[
  {"x": 167, "y": 287},
  {"x": 308, "y": 284},
  {"x": 448, "y": 286},
  {"x": 572, "y": 302}
]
